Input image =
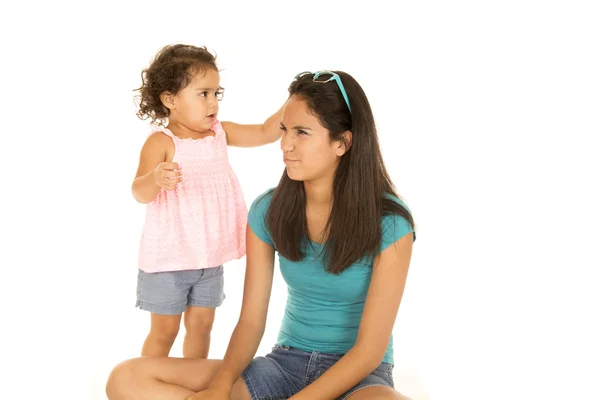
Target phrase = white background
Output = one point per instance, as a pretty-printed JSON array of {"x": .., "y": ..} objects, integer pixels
[{"x": 487, "y": 114}]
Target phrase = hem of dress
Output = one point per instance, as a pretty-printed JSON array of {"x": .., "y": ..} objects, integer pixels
[{"x": 174, "y": 268}]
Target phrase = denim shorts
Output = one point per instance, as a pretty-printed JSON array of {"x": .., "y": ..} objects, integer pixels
[
  {"x": 170, "y": 293},
  {"x": 287, "y": 370}
]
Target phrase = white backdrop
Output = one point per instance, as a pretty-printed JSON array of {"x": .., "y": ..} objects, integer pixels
[{"x": 486, "y": 113}]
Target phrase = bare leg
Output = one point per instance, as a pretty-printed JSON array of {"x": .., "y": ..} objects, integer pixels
[
  {"x": 163, "y": 332},
  {"x": 198, "y": 325},
  {"x": 165, "y": 378},
  {"x": 377, "y": 393}
]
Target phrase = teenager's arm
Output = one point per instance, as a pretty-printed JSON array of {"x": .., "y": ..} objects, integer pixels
[{"x": 251, "y": 325}]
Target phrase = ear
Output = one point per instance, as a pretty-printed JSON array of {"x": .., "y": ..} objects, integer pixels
[
  {"x": 168, "y": 100},
  {"x": 344, "y": 144}
]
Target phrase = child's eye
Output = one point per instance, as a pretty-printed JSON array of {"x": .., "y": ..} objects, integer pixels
[
  {"x": 283, "y": 128},
  {"x": 203, "y": 94},
  {"x": 301, "y": 132},
  {"x": 219, "y": 95}
]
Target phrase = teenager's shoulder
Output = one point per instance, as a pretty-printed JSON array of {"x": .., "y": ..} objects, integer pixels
[
  {"x": 261, "y": 202},
  {"x": 257, "y": 216},
  {"x": 394, "y": 226}
]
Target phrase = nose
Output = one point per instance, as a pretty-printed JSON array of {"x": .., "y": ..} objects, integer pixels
[
  {"x": 213, "y": 103},
  {"x": 286, "y": 143}
]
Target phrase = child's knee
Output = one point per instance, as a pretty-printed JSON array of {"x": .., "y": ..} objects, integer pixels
[
  {"x": 165, "y": 332},
  {"x": 200, "y": 323}
]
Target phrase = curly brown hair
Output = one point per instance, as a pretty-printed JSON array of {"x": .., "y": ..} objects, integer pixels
[{"x": 171, "y": 70}]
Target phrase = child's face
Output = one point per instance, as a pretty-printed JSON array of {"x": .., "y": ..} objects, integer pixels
[{"x": 196, "y": 106}]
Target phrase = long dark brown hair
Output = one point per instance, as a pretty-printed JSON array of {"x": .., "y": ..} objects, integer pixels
[
  {"x": 171, "y": 70},
  {"x": 361, "y": 186}
]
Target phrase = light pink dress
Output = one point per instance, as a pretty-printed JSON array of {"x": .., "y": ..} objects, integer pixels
[{"x": 202, "y": 222}]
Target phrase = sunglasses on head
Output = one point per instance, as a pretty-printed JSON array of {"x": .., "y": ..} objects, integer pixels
[{"x": 327, "y": 76}]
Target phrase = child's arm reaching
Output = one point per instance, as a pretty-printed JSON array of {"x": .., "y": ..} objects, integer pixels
[
  {"x": 254, "y": 135},
  {"x": 153, "y": 172}
]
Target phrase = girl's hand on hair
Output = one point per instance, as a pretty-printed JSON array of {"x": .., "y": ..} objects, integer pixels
[{"x": 167, "y": 175}]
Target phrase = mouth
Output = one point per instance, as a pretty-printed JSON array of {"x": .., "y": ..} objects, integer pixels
[
  {"x": 289, "y": 161},
  {"x": 211, "y": 116}
]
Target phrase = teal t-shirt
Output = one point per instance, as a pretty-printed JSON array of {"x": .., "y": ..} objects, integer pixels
[{"x": 323, "y": 310}]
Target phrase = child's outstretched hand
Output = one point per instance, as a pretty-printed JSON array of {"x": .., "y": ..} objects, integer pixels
[{"x": 167, "y": 175}]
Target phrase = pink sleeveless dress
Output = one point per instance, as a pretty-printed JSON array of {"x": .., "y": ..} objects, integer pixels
[{"x": 202, "y": 222}]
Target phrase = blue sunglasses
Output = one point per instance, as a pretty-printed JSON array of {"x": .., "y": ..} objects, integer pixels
[{"x": 333, "y": 77}]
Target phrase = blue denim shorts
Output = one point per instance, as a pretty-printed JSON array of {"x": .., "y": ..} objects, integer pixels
[
  {"x": 170, "y": 293},
  {"x": 286, "y": 370}
]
